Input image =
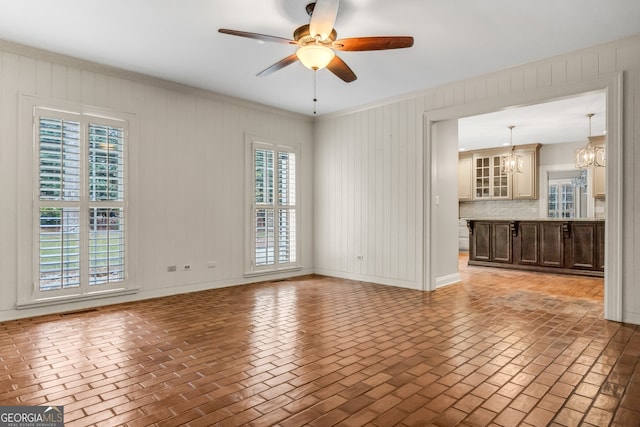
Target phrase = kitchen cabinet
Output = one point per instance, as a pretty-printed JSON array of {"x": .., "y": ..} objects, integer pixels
[
  {"x": 554, "y": 246},
  {"x": 489, "y": 182},
  {"x": 489, "y": 241},
  {"x": 586, "y": 250},
  {"x": 599, "y": 172},
  {"x": 525, "y": 184},
  {"x": 479, "y": 176},
  {"x": 465, "y": 177}
]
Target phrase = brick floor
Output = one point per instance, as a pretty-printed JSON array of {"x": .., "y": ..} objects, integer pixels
[{"x": 501, "y": 348}]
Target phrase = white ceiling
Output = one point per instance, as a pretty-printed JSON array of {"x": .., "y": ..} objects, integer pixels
[
  {"x": 558, "y": 121},
  {"x": 178, "y": 40}
]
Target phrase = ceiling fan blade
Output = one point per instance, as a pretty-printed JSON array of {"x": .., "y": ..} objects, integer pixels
[
  {"x": 323, "y": 18},
  {"x": 338, "y": 67},
  {"x": 278, "y": 65},
  {"x": 373, "y": 43},
  {"x": 261, "y": 37}
]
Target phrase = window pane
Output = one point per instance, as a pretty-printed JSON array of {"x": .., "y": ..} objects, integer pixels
[
  {"x": 59, "y": 248},
  {"x": 568, "y": 205},
  {"x": 286, "y": 179},
  {"x": 553, "y": 201},
  {"x": 286, "y": 235},
  {"x": 264, "y": 176},
  {"x": 59, "y": 150},
  {"x": 106, "y": 163},
  {"x": 106, "y": 245},
  {"x": 265, "y": 237}
]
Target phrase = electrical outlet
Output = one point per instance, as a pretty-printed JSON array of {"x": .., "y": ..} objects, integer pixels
[
  {"x": 186, "y": 267},
  {"x": 171, "y": 268},
  {"x": 212, "y": 264}
]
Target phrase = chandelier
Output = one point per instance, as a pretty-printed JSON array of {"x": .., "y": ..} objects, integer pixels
[
  {"x": 511, "y": 163},
  {"x": 590, "y": 155}
]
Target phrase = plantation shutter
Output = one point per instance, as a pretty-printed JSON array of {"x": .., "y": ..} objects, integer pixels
[
  {"x": 274, "y": 201},
  {"x": 106, "y": 213},
  {"x": 80, "y": 203},
  {"x": 59, "y": 189}
]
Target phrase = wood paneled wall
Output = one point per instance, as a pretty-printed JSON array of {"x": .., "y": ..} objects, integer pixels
[
  {"x": 369, "y": 166},
  {"x": 363, "y": 170},
  {"x": 368, "y": 194},
  {"x": 186, "y": 170}
]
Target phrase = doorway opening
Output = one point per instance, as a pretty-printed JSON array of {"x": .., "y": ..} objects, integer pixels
[
  {"x": 435, "y": 216},
  {"x": 561, "y": 190}
]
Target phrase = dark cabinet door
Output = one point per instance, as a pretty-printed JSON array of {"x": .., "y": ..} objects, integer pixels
[
  {"x": 501, "y": 242},
  {"x": 600, "y": 246},
  {"x": 481, "y": 241},
  {"x": 529, "y": 243},
  {"x": 551, "y": 244},
  {"x": 582, "y": 253}
]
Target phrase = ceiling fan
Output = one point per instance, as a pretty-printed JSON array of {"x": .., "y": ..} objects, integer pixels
[{"x": 317, "y": 42}]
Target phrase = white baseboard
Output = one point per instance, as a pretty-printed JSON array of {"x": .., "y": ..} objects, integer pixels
[
  {"x": 630, "y": 317},
  {"x": 141, "y": 295},
  {"x": 447, "y": 280},
  {"x": 371, "y": 279}
]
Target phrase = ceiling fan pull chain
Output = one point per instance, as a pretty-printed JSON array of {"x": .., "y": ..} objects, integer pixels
[{"x": 315, "y": 90}]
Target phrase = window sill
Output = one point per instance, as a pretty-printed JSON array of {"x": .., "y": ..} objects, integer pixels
[
  {"x": 44, "y": 302},
  {"x": 272, "y": 272}
]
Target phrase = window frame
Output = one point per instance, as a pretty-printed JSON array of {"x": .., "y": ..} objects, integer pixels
[
  {"x": 85, "y": 289},
  {"x": 254, "y": 143},
  {"x": 560, "y": 208}
]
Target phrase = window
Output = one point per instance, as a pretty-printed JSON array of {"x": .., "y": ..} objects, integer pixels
[
  {"x": 273, "y": 197},
  {"x": 79, "y": 204},
  {"x": 562, "y": 200}
]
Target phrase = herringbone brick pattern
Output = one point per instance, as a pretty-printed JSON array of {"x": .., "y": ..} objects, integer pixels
[{"x": 502, "y": 348}]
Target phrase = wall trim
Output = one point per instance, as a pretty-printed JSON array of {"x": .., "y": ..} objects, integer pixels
[
  {"x": 430, "y": 170},
  {"x": 450, "y": 279},
  {"x": 139, "y": 295},
  {"x": 369, "y": 279},
  {"x": 631, "y": 318}
]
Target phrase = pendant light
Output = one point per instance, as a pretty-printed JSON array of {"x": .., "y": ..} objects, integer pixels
[
  {"x": 590, "y": 155},
  {"x": 511, "y": 163}
]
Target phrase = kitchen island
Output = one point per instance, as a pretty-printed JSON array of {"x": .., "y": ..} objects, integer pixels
[{"x": 569, "y": 246}]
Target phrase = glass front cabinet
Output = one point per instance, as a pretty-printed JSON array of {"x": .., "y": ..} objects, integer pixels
[{"x": 488, "y": 183}]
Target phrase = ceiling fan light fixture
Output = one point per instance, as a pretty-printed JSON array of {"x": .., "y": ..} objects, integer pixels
[{"x": 315, "y": 56}]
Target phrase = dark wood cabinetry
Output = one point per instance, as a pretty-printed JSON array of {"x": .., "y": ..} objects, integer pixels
[
  {"x": 551, "y": 244},
  {"x": 491, "y": 242},
  {"x": 574, "y": 247}
]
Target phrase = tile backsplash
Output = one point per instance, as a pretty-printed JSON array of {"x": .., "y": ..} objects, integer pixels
[
  {"x": 509, "y": 209},
  {"x": 500, "y": 209}
]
